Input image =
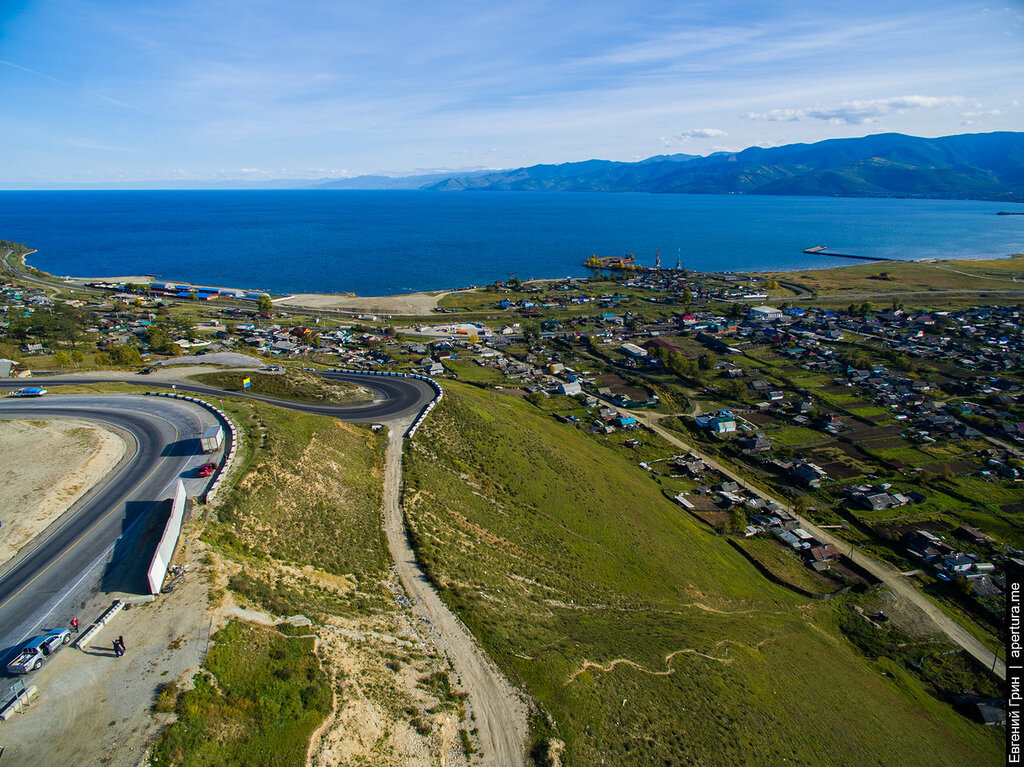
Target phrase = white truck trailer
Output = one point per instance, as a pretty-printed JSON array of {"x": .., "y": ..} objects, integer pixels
[{"x": 212, "y": 439}]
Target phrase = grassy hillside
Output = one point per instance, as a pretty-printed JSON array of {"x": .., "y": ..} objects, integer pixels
[
  {"x": 645, "y": 638},
  {"x": 896, "y": 277},
  {"x": 300, "y": 532},
  {"x": 269, "y": 696},
  {"x": 292, "y": 384}
]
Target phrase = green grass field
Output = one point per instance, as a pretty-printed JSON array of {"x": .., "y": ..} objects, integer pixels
[
  {"x": 468, "y": 370},
  {"x": 270, "y": 694},
  {"x": 992, "y": 274},
  {"x": 645, "y": 637},
  {"x": 291, "y": 384},
  {"x": 797, "y": 435},
  {"x": 785, "y": 565},
  {"x": 310, "y": 496}
]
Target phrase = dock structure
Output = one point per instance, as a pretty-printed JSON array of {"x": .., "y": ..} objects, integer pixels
[{"x": 822, "y": 250}]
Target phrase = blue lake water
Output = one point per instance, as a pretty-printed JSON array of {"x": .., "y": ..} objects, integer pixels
[{"x": 378, "y": 243}]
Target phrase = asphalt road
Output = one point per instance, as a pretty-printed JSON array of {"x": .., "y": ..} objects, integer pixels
[
  {"x": 163, "y": 446},
  {"x": 163, "y": 435},
  {"x": 395, "y": 397}
]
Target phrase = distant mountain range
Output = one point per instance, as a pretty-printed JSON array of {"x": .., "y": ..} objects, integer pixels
[{"x": 980, "y": 166}]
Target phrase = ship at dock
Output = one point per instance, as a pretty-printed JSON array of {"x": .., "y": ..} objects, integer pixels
[{"x": 626, "y": 262}]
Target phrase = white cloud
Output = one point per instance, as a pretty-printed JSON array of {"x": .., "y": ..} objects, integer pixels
[
  {"x": 689, "y": 135},
  {"x": 859, "y": 111}
]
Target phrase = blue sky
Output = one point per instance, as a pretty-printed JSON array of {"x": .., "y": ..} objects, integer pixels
[{"x": 206, "y": 90}]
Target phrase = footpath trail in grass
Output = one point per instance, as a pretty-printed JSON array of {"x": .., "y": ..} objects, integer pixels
[{"x": 643, "y": 637}]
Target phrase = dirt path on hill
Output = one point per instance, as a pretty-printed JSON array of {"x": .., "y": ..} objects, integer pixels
[
  {"x": 499, "y": 709},
  {"x": 900, "y": 585}
]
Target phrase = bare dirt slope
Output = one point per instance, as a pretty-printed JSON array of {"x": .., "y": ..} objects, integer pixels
[
  {"x": 409, "y": 304},
  {"x": 47, "y": 466},
  {"x": 499, "y": 709}
]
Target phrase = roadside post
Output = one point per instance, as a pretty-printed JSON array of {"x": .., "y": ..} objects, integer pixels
[{"x": 19, "y": 692}]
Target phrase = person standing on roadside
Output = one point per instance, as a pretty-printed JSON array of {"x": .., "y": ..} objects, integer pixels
[
  {"x": 118, "y": 652},
  {"x": 120, "y": 641},
  {"x": 74, "y": 625}
]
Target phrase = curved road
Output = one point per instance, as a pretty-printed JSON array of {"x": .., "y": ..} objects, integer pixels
[
  {"x": 43, "y": 575},
  {"x": 159, "y": 434},
  {"x": 396, "y": 396}
]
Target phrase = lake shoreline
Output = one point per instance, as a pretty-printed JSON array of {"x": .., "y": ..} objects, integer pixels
[
  {"x": 388, "y": 244},
  {"x": 421, "y": 303}
]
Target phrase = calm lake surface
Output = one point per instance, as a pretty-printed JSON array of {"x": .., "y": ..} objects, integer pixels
[{"x": 379, "y": 243}]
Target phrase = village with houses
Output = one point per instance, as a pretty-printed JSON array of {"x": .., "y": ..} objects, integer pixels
[{"x": 896, "y": 428}]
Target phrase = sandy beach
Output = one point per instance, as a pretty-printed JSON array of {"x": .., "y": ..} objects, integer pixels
[
  {"x": 136, "y": 280},
  {"x": 407, "y": 304}
]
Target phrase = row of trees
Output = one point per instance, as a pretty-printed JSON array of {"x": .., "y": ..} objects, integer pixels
[
  {"x": 59, "y": 323},
  {"x": 691, "y": 370}
]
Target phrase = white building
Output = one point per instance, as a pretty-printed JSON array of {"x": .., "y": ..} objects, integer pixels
[
  {"x": 764, "y": 313},
  {"x": 570, "y": 389}
]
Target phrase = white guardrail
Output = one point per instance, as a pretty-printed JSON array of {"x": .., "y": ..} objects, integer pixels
[{"x": 411, "y": 432}]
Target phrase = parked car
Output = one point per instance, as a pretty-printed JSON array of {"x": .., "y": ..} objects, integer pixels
[
  {"x": 207, "y": 469},
  {"x": 37, "y": 650},
  {"x": 145, "y": 371}
]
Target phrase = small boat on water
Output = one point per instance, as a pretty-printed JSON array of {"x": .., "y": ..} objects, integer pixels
[{"x": 816, "y": 249}]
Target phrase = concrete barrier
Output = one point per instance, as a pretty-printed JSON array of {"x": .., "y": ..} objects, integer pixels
[
  {"x": 168, "y": 541},
  {"x": 222, "y": 470},
  {"x": 411, "y": 431},
  {"x": 102, "y": 621}
]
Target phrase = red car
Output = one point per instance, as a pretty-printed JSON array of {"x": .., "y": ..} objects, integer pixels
[{"x": 207, "y": 469}]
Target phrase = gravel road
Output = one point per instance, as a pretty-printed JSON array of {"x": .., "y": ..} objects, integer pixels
[{"x": 499, "y": 709}]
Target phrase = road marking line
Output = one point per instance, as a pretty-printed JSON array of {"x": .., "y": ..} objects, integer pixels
[{"x": 87, "y": 532}]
